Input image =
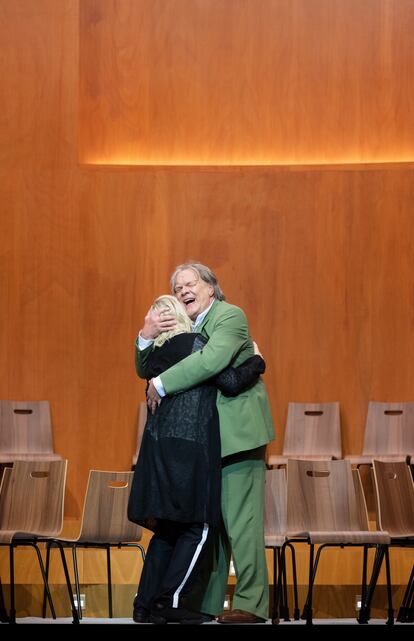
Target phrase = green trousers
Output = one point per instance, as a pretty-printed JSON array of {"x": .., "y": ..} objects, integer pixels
[{"x": 242, "y": 537}]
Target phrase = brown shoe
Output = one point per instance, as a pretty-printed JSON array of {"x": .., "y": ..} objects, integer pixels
[{"x": 239, "y": 616}]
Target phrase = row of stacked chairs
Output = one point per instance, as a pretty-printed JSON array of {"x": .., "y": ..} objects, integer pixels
[
  {"x": 322, "y": 503},
  {"x": 313, "y": 495},
  {"x": 313, "y": 502},
  {"x": 313, "y": 431},
  {"x": 32, "y": 497}
]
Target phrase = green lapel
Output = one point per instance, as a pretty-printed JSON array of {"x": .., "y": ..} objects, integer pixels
[{"x": 203, "y": 329}]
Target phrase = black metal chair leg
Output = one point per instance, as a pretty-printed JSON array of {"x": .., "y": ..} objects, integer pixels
[
  {"x": 45, "y": 581},
  {"x": 364, "y": 575},
  {"x": 390, "y": 620},
  {"x": 68, "y": 584},
  {"x": 275, "y": 613},
  {"x": 3, "y": 612},
  {"x": 409, "y": 618},
  {"x": 108, "y": 565},
  {"x": 12, "y": 617},
  {"x": 312, "y": 571},
  {"x": 76, "y": 574},
  {"x": 365, "y": 611},
  {"x": 315, "y": 567},
  {"x": 281, "y": 584},
  {"x": 47, "y": 577},
  {"x": 296, "y": 612},
  {"x": 279, "y": 589},
  {"x": 285, "y": 612},
  {"x": 403, "y": 611}
]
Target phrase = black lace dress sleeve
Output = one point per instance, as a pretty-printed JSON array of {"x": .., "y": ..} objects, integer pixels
[{"x": 235, "y": 380}]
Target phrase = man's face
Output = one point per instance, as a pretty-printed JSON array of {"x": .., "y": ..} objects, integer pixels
[{"x": 195, "y": 294}]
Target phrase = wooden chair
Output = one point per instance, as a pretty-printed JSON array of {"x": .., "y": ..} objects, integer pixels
[
  {"x": 275, "y": 528},
  {"x": 394, "y": 496},
  {"x": 389, "y": 433},
  {"x": 31, "y": 509},
  {"x": 104, "y": 523},
  {"x": 323, "y": 509},
  {"x": 4, "y": 485},
  {"x": 312, "y": 431},
  {"x": 142, "y": 419},
  {"x": 26, "y": 431}
]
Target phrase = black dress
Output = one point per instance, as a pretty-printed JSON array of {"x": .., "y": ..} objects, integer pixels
[{"x": 178, "y": 474}]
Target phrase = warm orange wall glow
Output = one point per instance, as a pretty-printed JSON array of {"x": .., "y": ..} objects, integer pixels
[
  {"x": 275, "y": 82},
  {"x": 124, "y": 161},
  {"x": 319, "y": 257}
]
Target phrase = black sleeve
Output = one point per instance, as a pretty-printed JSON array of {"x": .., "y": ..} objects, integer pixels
[{"x": 234, "y": 380}]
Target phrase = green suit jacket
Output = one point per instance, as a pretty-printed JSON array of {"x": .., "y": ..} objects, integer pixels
[{"x": 245, "y": 420}]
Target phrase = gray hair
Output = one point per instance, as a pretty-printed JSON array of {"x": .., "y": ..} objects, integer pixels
[{"x": 203, "y": 272}]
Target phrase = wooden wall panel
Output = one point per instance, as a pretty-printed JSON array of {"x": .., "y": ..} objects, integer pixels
[
  {"x": 243, "y": 82},
  {"x": 320, "y": 261},
  {"x": 38, "y": 88},
  {"x": 39, "y": 222}
]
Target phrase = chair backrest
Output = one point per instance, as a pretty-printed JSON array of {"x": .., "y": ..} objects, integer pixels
[
  {"x": 25, "y": 431},
  {"x": 389, "y": 429},
  {"x": 321, "y": 496},
  {"x": 105, "y": 517},
  {"x": 275, "y": 512},
  {"x": 361, "y": 502},
  {"x": 5, "y": 480},
  {"x": 312, "y": 430},
  {"x": 142, "y": 419},
  {"x": 32, "y": 497},
  {"x": 394, "y": 495}
]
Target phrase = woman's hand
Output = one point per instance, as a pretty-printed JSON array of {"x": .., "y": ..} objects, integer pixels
[
  {"x": 153, "y": 398},
  {"x": 256, "y": 349}
]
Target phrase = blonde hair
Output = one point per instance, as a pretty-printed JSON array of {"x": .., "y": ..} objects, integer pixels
[{"x": 170, "y": 305}]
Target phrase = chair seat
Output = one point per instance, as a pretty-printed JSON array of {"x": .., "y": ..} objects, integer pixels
[
  {"x": 97, "y": 541},
  {"x": 277, "y": 460},
  {"x": 363, "y": 537},
  {"x": 7, "y": 536},
  {"x": 337, "y": 538},
  {"x": 359, "y": 459},
  {"x": 274, "y": 540},
  {"x": 406, "y": 538},
  {"x": 10, "y": 457},
  {"x": 282, "y": 460}
]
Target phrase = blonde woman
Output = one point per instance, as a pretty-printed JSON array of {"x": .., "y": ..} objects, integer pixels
[{"x": 176, "y": 486}]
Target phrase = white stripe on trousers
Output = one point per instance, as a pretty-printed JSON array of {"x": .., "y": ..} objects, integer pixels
[{"x": 203, "y": 539}]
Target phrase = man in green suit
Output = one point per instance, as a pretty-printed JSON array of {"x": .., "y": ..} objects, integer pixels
[{"x": 245, "y": 429}]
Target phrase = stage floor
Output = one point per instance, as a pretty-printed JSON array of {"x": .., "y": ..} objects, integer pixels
[{"x": 128, "y": 621}]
